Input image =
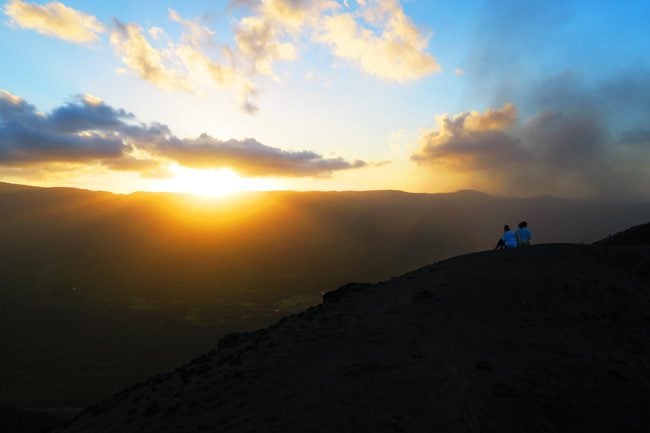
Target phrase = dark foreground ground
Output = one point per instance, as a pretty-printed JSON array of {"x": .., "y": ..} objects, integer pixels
[{"x": 550, "y": 338}]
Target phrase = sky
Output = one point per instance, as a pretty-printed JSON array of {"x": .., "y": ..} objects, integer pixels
[{"x": 218, "y": 96}]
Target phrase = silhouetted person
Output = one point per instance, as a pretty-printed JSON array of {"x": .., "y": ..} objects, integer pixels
[
  {"x": 523, "y": 234},
  {"x": 508, "y": 239}
]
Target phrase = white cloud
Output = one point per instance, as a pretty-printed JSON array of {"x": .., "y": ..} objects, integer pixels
[
  {"x": 294, "y": 14},
  {"x": 140, "y": 56},
  {"x": 396, "y": 51},
  {"x": 258, "y": 43},
  {"x": 156, "y": 32},
  {"x": 196, "y": 33},
  {"x": 54, "y": 19},
  {"x": 377, "y": 35}
]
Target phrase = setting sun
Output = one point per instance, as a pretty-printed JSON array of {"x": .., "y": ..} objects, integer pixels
[{"x": 213, "y": 183}]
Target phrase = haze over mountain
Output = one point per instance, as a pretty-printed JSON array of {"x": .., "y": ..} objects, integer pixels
[
  {"x": 547, "y": 338},
  {"x": 101, "y": 290}
]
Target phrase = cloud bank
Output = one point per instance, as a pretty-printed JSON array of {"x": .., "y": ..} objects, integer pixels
[
  {"x": 583, "y": 143},
  {"x": 54, "y": 19},
  {"x": 87, "y": 131}
]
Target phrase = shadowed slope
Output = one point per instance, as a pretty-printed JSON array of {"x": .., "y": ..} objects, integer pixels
[
  {"x": 637, "y": 235},
  {"x": 550, "y": 338}
]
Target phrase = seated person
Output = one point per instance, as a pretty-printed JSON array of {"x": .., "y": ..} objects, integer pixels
[
  {"x": 508, "y": 239},
  {"x": 523, "y": 234}
]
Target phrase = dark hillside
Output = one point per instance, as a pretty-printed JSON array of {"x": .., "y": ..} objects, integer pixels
[
  {"x": 549, "y": 338},
  {"x": 638, "y": 235}
]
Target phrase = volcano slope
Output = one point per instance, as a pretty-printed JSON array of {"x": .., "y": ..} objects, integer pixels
[{"x": 548, "y": 338}]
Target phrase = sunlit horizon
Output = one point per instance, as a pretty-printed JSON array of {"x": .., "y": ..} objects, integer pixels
[
  {"x": 221, "y": 97},
  {"x": 213, "y": 183}
]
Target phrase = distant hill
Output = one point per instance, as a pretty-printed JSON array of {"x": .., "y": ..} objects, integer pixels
[
  {"x": 99, "y": 290},
  {"x": 547, "y": 338}
]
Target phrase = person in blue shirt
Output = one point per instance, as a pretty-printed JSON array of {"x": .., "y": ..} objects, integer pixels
[
  {"x": 523, "y": 234},
  {"x": 508, "y": 239}
]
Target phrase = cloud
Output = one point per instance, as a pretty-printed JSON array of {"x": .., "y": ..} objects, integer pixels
[
  {"x": 27, "y": 137},
  {"x": 196, "y": 34},
  {"x": 156, "y": 32},
  {"x": 635, "y": 137},
  {"x": 148, "y": 62},
  {"x": 54, "y": 19},
  {"x": 251, "y": 158},
  {"x": 567, "y": 152},
  {"x": 86, "y": 131},
  {"x": 471, "y": 140},
  {"x": 190, "y": 64},
  {"x": 376, "y": 35},
  {"x": 491, "y": 120},
  {"x": 205, "y": 69},
  {"x": 292, "y": 13},
  {"x": 396, "y": 51},
  {"x": 582, "y": 127},
  {"x": 258, "y": 42}
]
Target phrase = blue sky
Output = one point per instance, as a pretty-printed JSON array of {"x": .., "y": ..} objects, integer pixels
[{"x": 430, "y": 116}]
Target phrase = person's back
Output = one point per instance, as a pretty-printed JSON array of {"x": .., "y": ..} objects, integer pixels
[
  {"x": 510, "y": 239},
  {"x": 523, "y": 234}
]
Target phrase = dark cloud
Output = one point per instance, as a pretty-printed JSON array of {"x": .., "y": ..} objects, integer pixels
[
  {"x": 84, "y": 115},
  {"x": 583, "y": 125},
  {"x": 482, "y": 150},
  {"x": 27, "y": 137},
  {"x": 637, "y": 137},
  {"x": 568, "y": 152},
  {"x": 86, "y": 130},
  {"x": 251, "y": 157},
  {"x": 565, "y": 141},
  {"x": 591, "y": 135},
  {"x": 472, "y": 141}
]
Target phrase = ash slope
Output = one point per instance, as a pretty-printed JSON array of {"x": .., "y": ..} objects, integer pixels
[{"x": 551, "y": 338}]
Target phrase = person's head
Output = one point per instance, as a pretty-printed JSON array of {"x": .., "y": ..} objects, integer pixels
[
  {"x": 521, "y": 225},
  {"x": 506, "y": 228},
  {"x": 525, "y": 224}
]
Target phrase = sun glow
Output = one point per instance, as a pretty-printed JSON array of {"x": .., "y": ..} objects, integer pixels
[{"x": 214, "y": 183}]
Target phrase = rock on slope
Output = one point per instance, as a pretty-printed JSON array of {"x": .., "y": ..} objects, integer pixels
[{"x": 550, "y": 338}]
